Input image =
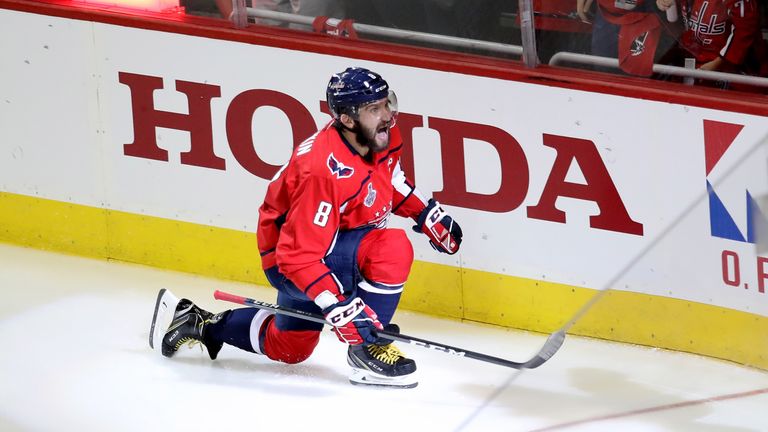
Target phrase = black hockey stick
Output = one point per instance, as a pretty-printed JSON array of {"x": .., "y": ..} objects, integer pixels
[{"x": 553, "y": 343}]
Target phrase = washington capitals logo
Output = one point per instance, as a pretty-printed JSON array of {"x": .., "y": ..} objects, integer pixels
[
  {"x": 339, "y": 169},
  {"x": 718, "y": 138},
  {"x": 715, "y": 26},
  {"x": 638, "y": 45}
]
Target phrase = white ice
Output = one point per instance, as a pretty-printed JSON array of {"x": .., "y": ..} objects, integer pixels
[{"x": 75, "y": 357}]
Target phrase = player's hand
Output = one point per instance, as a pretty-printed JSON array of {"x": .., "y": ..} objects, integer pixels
[
  {"x": 443, "y": 232},
  {"x": 353, "y": 321}
]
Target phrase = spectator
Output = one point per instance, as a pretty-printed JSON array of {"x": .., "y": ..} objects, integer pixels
[
  {"x": 313, "y": 8},
  {"x": 722, "y": 35},
  {"x": 629, "y": 30}
]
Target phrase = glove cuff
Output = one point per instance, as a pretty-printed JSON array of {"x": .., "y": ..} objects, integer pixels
[
  {"x": 326, "y": 300},
  {"x": 431, "y": 204}
]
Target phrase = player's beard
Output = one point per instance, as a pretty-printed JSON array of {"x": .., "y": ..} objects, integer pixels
[{"x": 376, "y": 139}]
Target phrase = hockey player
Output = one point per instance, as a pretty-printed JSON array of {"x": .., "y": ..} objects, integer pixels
[{"x": 325, "y": 245}]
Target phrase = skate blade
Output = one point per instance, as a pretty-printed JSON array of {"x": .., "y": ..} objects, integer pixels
[
  {"x": 165, "y": 307},
  {"x": 365, "y": 378}
]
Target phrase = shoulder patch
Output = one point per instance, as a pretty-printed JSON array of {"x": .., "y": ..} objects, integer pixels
[{"x": 339, "y": 169}]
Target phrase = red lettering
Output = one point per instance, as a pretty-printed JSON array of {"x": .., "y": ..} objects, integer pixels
[
  {"x": 730, "y": 266},
  {"x": 514, "y": 166},
  {"x": 762, "y": 274},
  {"x": 197, "y": 122},
  {"x": 600, "y": 188},
  {"x": 512, "y": 190},
  {"x": 324, "y": 108},
  {"x": 406, "y": 123},
  {"x": 239, "y": 120}
]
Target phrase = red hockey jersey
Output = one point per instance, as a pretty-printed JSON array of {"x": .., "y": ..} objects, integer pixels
[
  {"x": 725, "y": 28},
  {"x": 638, "y": 36},
  {"x": 326, "y": 187}
]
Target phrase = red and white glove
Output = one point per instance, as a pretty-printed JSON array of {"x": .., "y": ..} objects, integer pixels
[
  {"x": 443, "y": 232},
  {"x": 353, "y": 321}
]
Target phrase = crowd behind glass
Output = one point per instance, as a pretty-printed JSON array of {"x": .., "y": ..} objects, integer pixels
[{"x": 728, "y": 36}]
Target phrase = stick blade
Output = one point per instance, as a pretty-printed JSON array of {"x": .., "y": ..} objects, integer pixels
[{"x": 553, "y": 343}]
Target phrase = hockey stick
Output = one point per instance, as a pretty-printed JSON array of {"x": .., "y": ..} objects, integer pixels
[{"x": 550, "y": 347}]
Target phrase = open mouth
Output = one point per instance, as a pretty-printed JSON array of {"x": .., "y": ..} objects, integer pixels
[{"x": 382, "y": 133}]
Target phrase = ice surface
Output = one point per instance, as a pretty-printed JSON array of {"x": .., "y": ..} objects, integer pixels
[{"x": 74, "y": 334}]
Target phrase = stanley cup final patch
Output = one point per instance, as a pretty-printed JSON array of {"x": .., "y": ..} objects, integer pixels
[{"x": 371, "y": 196}]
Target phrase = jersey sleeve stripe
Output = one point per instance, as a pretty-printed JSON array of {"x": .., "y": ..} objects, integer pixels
[
  {"x": 377, "y": 288},
  {"x": 307, "y": 288},
  {"x": 728, "y": 43},
  {"x": 394, "y": 209}
]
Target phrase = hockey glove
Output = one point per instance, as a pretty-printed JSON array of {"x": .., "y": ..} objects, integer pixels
[
  {"x": 443, "y": 232},
  {"x": 353, "y": 321}
]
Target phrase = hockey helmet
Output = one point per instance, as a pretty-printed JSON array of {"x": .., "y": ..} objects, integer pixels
[{"x": 355, "y": 87}]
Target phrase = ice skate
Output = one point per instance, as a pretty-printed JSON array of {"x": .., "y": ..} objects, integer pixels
[
  {"x": 177, "y": 322},
  {"x": 381, "y": 365}
]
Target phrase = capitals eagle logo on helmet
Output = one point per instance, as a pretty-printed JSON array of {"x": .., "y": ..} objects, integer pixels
[{"x": 339, "y": 169}]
